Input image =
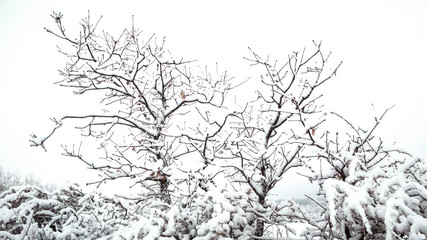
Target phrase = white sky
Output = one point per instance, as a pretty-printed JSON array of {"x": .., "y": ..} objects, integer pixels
[{"x": 383, "y": 45}]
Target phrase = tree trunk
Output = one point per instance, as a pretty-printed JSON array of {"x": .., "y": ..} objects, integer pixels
[
  {"x": 164, "y": 192},
  {"x": 259, "y": 229}
]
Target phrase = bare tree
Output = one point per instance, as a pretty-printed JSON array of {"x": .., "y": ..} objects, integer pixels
[
  {"x": 143, "y": 91},
  {"x": 270, "y": 135}
]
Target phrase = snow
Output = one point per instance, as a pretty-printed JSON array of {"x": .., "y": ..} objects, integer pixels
[{"x": 219, "y": 188}]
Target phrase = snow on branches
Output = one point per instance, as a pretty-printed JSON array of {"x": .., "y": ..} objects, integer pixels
[
  {"x": 206, "y": 171},
  {"x": 143, "y": 90},
  {"x": 268, "y": 137},
  {"x": 371, "y": 191},
  {"x": 29, "y": 212}
]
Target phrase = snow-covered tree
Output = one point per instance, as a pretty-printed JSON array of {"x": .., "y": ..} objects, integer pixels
[
  {"x": 265, "y": 139},
  {"x": 143, "y": 91}
]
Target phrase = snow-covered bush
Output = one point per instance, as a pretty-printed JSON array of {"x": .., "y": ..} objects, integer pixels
[
  {"x": 224, "y": 216},
  {"x": 388, "y": 201},
  {"x": 213, "y": 215},
  {"x": 371, "y": 192},
  {"x": 29, "y": 212}
]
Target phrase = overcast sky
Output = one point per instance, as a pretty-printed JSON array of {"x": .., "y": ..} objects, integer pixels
[{"x": 383, "y": 45}]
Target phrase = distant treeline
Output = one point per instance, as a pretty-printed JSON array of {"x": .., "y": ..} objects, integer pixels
[{"x": 10, "y": 178}]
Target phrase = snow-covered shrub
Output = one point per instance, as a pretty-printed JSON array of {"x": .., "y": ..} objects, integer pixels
[
  {"x": 224, "y": 216},
  {"x": 158, "y": 221},
  {"x": 213, "y": 215},
  {"x": 388, "y": 202},
  {"x": 371, "y": 192},
  {"x": 30, "y": 212}
]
